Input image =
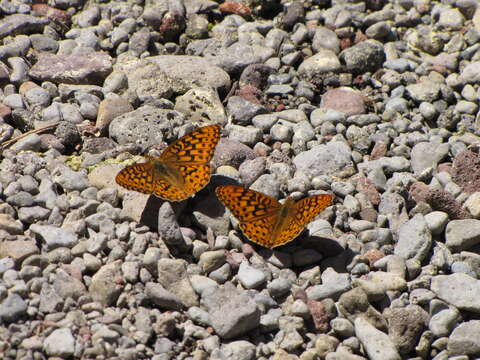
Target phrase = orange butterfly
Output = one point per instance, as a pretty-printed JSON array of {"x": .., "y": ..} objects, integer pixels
[
  {"x": 181, "y": 170},
  {"x": 264, "y": 220}
]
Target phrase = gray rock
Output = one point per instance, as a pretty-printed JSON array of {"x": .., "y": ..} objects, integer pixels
[
  {"x": 279, "y": 287},
  {"x": 222, "y": 274},
  {"x": 202, "y": 106},
  {"x": 182, "y": 73},
  {"x": 322, "y": 62},
  {"x": 201, "y": 283},
  {"x": 281, "y": 132},
  {"x": 38, "y": 96},
  {"x": 443, "y": 322},
  {"x": 161, "y": 297},
  {"x": 232, "y": 312},
  {"x": 462, "y": 234},
  {"x": 267, "y": 184},
  {"x": 364, "y": 56},
  {"x": 251, "y": 170},
  {"x": 156, "y": 125},
  {"x": 245, "y": 135},
  {"x": 104, "y": 286},
  {"x": 377, "y": 283},
  {"x": 470, "y": 73},
  {"x": 333, "y": 285},
  {"x": 67, "y": 286},
  {"x": 50, "y": 301},
  {"x": 199, "y": 316},
  {"x": 426, "y": 155},
  {"x": 333, "y": 158},
  {"x": 436, "y": 221},
  {"x": 465, "y": 339},
  {"x": 230, "y": 152},
  {"x": 12, "y": 308},
  {"x": 377, "y": 344},
  {"x": 172, "y": 275},
  {"x": 414, "y": 239},
  {"x": 60, "y": 343},
  {"x": 238, "y": 56},
  {"x": 32, "y": 142},
  {"x": 243, "y": 110},
  {"x": 249, "y": 276},
  {"x": 70, "y": 180},
  {"x": 54, "y": 236},
  {"x": 425, "y": 91},
  {"x": 342, "y": 327},
  {"x": 30, "y": 215},
  {"x": 239, "y": 350},
  {"x": 405, "y": 326},
  {"x": 212, "y": 260},
  {"x": 451, "y": 19},
  {"x": 168, "y": 227},
  {"x": 130, "y": 270},
  {"x": 459, "y": 290},
  {"x": 21, "y": 23},
  {"x": 325, "y": 38}
]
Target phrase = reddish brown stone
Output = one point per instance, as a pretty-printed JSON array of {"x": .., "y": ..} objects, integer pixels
[
  {"x": 373, "y": 255},
  {"x": 447, "y": 167},
  {"x": 230, "y": 7},
  {"x": 342, "y": 99},
  {"x": 438, "y": 199},
  {"x": 27, "y": 85},
  {"x": 466, "y": 171},
  {"x": 319, "y": 315},
  {"x": 250, "y": 93},
  {"x": 378, "y": 151},
  {"x": 51, "y": 12},
  {"x": 89, "y": 68},
  {"x": 171, "y": 27},
  {"x": 367, "y": 187},
  {"x": 5, "y": 111}
]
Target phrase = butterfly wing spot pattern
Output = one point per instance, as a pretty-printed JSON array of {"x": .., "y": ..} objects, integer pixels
[
  {"x": 264, "y": 220},
  {"x": 181, "y": 170}
]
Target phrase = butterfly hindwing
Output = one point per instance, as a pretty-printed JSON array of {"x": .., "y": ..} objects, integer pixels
[
  {"x": 307, "y": 209},
  {"x": 138, "y": 177}
]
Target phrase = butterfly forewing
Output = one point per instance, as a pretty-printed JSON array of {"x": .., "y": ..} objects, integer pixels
[
  {"x": 245, "y": 204},
  {"x": 196, "y": 147}
]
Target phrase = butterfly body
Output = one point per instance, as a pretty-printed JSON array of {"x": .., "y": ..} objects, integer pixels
[
  {"x": 264, "y": 220},
  {"x": 181, "y": 170}
]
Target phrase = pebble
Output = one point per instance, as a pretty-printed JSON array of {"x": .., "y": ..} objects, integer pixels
[
  {"x": 376, "y": 343},
  {"x": 60, "y": 343},
  {"x": 453, "y": 289},
  {"x": 250, "y": 277},
  {"x": 462, "y": 234},
  {"x": 333, "y": 285},
  {"x": 464, "y": 340},
  {"x": 228, "y": 324}
]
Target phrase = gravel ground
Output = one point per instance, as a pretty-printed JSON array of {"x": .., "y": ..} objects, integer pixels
[{"x": 375, "y": 101}]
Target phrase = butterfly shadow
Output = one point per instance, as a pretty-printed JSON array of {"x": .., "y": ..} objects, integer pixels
[
  {"x": 149, "y": 216},
  {"x": 207, "y": 199}
]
